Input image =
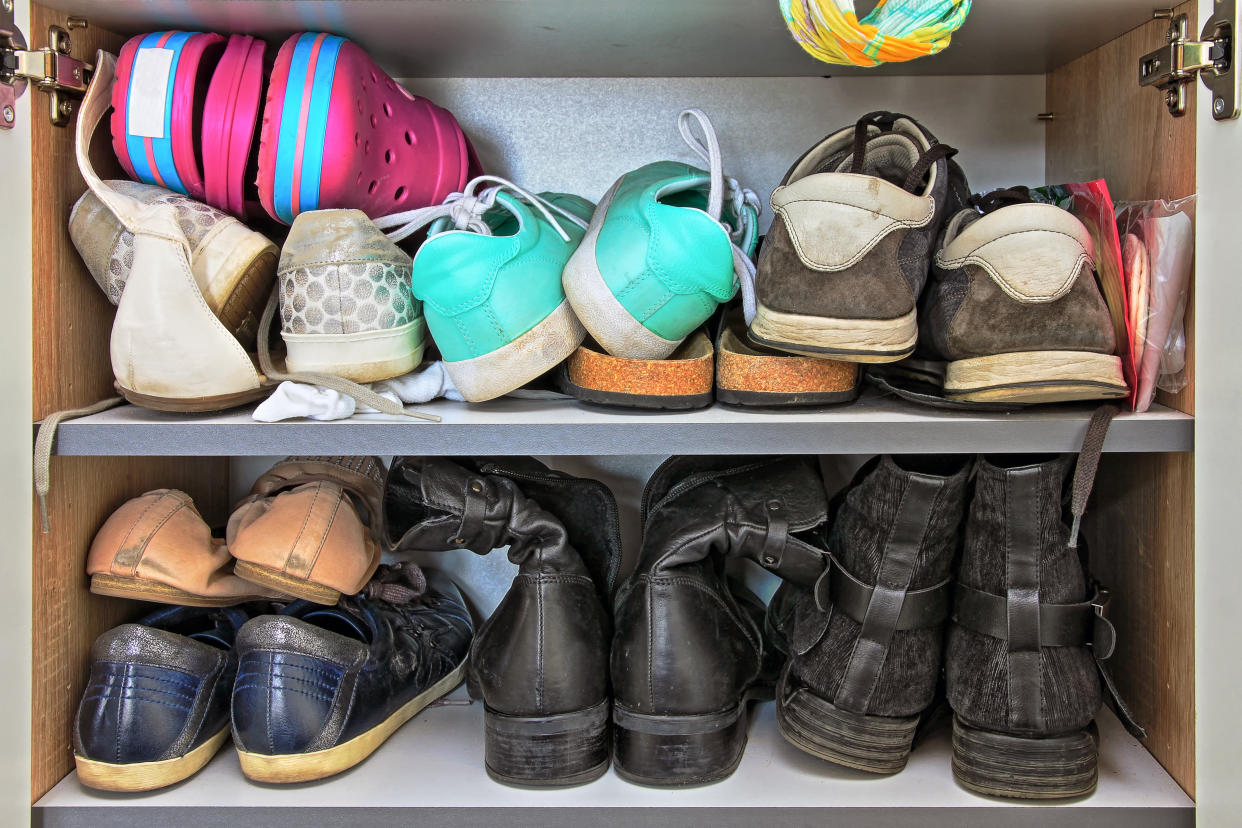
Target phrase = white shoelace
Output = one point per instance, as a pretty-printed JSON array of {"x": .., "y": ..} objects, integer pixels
[
  {"x": 724, "y": 187},
  {"x": 467, "y": 209}
]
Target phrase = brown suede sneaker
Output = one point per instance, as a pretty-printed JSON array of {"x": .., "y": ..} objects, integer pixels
[
  {"x": 1014, "y": 307},
  {"x": 847, "y": 256}
]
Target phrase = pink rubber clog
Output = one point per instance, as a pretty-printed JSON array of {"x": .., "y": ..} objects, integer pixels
[
  {"x": 161, "y": 81},
  {"x": 230, "y": 115},
  {"x": 338, "y": 132}
]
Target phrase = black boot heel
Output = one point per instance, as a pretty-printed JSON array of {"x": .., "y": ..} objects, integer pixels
[
  {"x": 547, "y": 751},
  {"x": 876, "y": 744},
  {"x": 671, "y": 751},
  {"x": 1053, "y": 767}
]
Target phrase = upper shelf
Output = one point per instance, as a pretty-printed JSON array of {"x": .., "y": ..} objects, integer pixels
[
  {"x": 624, "y": 38},
  {"x": 872, "y": 425}
]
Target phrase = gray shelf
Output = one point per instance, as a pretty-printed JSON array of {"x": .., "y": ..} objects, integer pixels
[
  {"x": 624, "y": 38},
  {"x": 431, "y": 773},
  {"x": 509, "y": 426}
]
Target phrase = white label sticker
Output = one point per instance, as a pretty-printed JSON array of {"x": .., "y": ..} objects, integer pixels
[{"x": 148, "y": 92}]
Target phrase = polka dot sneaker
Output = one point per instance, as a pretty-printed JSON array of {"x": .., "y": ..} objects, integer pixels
[{"x": 345, "y": 303}]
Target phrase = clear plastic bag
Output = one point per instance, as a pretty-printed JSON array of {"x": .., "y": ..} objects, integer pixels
[{"x": 1157, "y": 240}]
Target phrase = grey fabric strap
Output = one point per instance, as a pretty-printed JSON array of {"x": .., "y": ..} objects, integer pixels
[
  {"x": 1022, "y": 598},
  {"x": 889, "y": 594}
]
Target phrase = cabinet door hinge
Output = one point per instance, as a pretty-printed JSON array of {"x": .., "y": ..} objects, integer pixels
[
  {"x": 1174, "y": 66},
  {"x": 52, "y": 69}
]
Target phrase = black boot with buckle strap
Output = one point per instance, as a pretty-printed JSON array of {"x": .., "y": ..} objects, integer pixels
[
  {"x": 1029, "y": 633},
  {"x": 865, "y": 641},
  {"x": 690, "y": 651},
  {"x": 540, "y": 662}
]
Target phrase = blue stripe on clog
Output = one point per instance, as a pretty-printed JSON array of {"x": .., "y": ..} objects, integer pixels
[
  {"x": 161, "y": 148},
  {"x": 136, "y": 145},
  {"x": 317, "y": 123},
  {"x": 290, "y": 117}
]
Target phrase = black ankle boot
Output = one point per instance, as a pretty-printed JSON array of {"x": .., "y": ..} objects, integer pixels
[
  {"x": 540, "y": 663},
  {"x": 865, "y": 643},
  {"x": 689, "y": 651},
  {"x": 1028, "y": 627}
]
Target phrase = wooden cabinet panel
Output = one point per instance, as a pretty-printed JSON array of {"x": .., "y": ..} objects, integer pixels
[
  {"x": 1142, "y": 517},
  {"x": 72, "y": 319}
]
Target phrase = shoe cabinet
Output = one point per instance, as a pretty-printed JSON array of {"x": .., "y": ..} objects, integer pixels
[{"x": 564, "y": 95}]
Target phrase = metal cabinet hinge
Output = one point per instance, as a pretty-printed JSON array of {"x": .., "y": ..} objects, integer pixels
[
  {"x": 52, "y": 69},
  {"x": 1174, "y": 66}
]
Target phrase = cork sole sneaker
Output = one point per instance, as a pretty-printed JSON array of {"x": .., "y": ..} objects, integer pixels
[{"x": 683, "y": 381}]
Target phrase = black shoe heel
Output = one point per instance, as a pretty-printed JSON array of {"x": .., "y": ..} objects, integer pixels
[
  {"x": 996, "y": 764},
  {"x": 876, "y": 744},
  {"x": 547, "y": 751},
  {"x": 665, "y": 751}
]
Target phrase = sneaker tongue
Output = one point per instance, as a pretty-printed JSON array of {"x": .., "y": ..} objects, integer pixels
[{"x": 889, "y": 155}]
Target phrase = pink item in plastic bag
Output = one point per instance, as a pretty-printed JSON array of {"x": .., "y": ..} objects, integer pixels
[
  {"x": 338, "y": 132},
  {"x": 1161, "y": 235},
  {"x": 230, "y": 116}
]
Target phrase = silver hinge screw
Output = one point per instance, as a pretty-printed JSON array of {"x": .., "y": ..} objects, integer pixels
[
  {"x": 7, "y": 5},
  {"x": 1218, "y": 106},
  {"x": 9, "y": 115}
]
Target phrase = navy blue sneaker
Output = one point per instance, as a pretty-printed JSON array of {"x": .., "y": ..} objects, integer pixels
[
  {"x": 156, "y": 706},
  {"x": 320, "y": 688}
]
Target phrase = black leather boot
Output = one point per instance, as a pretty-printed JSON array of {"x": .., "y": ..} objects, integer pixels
[
  {"x": 689, "y": 651},
  {"x": 540, "y": 663},
  {"x": 1028, "y": 630},
  {"x": 865, "y": 643}
]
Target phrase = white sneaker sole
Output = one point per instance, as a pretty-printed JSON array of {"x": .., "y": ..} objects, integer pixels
[
  {"x": 370, "y": 356},
  {"x": 147, "y": 776},
  {"x": 305, "y": 767},
  {"x": 1036, "y": 377},
  {"x": 511, "y": 366},
  {"x": 607, "y": 320},
  {"x": 847, "y": 340}
]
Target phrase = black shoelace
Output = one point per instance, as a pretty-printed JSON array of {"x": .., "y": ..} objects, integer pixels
[
  {"x": 990, "y": 202},
  {"x": 885, "y": 121}
]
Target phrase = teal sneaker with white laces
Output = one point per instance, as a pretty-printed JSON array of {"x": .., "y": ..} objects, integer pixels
[
  {"x": 489, "y": 277},
  {"x": 666, "y": 245}
]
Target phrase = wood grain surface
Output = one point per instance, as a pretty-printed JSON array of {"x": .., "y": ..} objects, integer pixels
[
  {"x": 72, "y": 320},
  {"x": 1141, "y": 522}
]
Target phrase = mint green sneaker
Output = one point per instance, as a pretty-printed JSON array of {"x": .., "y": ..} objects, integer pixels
[
  {"x": 489, "y": 277},
  {"x": 667, "y": 244}
]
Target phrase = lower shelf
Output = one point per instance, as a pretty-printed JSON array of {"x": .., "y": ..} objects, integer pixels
[{"x": 431, "y": 773}]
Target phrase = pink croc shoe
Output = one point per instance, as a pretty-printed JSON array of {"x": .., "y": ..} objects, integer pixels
[
  {"x": 161, "y": 80},
  {"x": 338, "y": 132},
  {"x": 230, "y": 115}
]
